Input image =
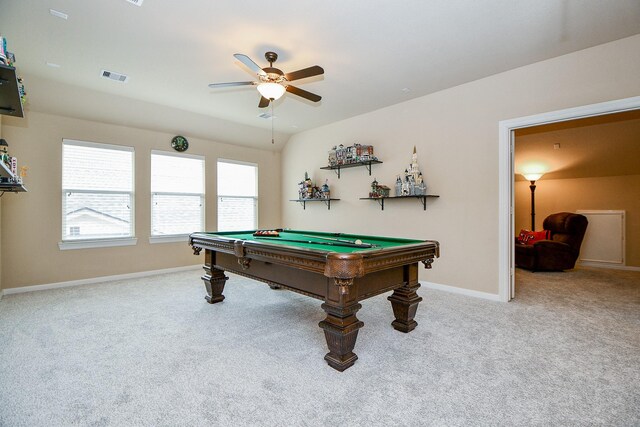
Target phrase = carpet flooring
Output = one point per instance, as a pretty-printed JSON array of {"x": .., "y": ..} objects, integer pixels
[{"x": 152, "y": 352}]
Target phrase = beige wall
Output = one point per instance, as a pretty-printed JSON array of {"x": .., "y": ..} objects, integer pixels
[
  {"x": 456, "y": 134},
  {"x": 569, "y": 195},
  {"x": 31, "y": 222}
]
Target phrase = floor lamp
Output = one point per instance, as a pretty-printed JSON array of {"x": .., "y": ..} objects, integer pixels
[{"x": 532, "y": 178}]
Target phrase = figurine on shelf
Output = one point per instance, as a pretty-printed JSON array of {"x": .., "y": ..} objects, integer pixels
[
  {"x": 306, "y": 189},
  {"x": 326, "y": 193},
  {"x": 378, "y": 190},
  {"x": 412, "y": 183},
  {"x": 357, "y": 153},
  {"x": 4, "y": 155}
]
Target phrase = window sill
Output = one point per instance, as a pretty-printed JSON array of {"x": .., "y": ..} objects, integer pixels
[
  {"x": 97, "y": 243},
  {"x": 175, "y": 238}
]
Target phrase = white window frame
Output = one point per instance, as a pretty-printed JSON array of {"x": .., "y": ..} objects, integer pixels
[
  {"x": 218, "y": 196},
  {"x": 108, "y": 241},
  {"x": 172, "y": 238}
]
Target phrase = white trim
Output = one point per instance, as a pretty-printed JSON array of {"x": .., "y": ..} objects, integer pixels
[
  {"x": 91, "y": 281},
  {"x": 593, "y": 264},
  {"x": 237, "y": 162},
  {"x": 97, "y": 243},
  {"x": 98, "y": 145},
  {"x": 169, "y": 239},
  {"x": 505, "y": 167},
  {"x": 170, "y": 153},
  {"x": 462, "y": 291}
]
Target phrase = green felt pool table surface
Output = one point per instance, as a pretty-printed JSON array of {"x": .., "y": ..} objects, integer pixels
[{"x": 319, "y": 240}]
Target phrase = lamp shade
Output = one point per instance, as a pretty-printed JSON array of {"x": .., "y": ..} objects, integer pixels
[
  {"x": 271, "y": 91},
  {"x": 532, "y": 176}
]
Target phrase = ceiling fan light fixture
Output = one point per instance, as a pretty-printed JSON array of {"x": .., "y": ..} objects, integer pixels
[{"x": 271, "y": 91}]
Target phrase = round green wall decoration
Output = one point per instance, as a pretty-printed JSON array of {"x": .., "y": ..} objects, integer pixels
[{"x": 179, "y": 143}]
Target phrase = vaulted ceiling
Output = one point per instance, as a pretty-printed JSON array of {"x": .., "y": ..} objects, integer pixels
[{"x": 375, "y": 53}]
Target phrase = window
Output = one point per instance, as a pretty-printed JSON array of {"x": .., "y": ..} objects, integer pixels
[
  {"x": 177, "y": 194},
  {"x": 97, "y": 194},
  {"x": 237, "y": 196}
]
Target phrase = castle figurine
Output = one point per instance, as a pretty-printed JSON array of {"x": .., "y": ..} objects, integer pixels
[{"x": 412, "y": 183}]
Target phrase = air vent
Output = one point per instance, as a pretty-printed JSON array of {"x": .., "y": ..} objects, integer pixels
[
  {"x": 114, "y": 76},
  {"x": 266, "y": 116},
  {"x": 58, "y": 14},
  {"x": 136, "y": 2}
]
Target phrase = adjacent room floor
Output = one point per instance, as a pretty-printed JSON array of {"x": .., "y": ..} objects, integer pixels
[{"x": 151, "y": 351}]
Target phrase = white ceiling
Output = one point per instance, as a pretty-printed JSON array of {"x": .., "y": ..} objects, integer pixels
[{"x": 370, "y": 49}]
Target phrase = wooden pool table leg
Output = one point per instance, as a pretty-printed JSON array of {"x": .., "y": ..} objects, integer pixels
[
  {"x": 341, "y": 331},
  {"x": 214, "y": 280},
  {"x": 405, "y": 300}
]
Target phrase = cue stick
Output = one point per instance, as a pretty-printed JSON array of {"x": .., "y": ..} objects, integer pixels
[
  {"x": 356, "y": 242},
  {"x": 350, "y": 244}
]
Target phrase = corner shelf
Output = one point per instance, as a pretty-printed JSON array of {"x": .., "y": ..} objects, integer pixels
[
  {"x": 304, "y": 202},
  {"x": 10, "y": 103},
  {"x": 422, "y": 198},
  {"x": 366, "y": 164}
]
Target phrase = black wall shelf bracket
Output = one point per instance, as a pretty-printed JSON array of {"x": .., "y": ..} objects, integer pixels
[{"x": 304, "y": 202}]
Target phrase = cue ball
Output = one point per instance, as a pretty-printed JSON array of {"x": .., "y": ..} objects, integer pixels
[{"x": 358, "y": 242}]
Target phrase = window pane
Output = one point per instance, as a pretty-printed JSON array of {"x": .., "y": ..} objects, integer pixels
[
  {"x": 96, "y": 215},
  {"x": 237, "y": 180},
  {"x": 173, "y": 174},
  {"x": 93, "y": 168},
  {"x": 236, "y": 213},
  {"x": 173, "y": 214}
]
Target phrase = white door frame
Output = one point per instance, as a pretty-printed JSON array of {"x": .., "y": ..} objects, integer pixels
[{"x": 506, "y": 176}]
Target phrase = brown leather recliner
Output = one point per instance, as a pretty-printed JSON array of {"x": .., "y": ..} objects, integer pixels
[{"x": 561, "y": 251}]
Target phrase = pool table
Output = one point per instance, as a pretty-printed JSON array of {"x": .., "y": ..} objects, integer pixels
[{"x": 339, "y": 269}]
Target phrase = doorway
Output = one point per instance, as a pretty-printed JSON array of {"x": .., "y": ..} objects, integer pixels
[{"x": 506, "y": 197}]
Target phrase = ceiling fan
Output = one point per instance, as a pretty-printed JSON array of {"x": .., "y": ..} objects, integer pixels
[{"x": 272, "y": 82}]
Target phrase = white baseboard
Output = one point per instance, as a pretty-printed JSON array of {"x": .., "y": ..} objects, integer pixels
[
  {"x": 606, "y": 265},
  {"x": 462, "y": 291},
  {"x": 93, "y": 280}
]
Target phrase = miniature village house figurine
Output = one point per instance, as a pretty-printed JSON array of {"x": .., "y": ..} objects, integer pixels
[
  {"x": 378, "y": 190},
  {"x": 306, "y": 189},
  {"x": 357, "y": 153}
]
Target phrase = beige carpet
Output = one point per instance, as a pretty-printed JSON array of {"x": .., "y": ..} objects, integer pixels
[{"x": 152, "y": 352}]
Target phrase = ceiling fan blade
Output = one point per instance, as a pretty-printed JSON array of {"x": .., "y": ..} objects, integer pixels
[
  {"x": 249, "y": 63},
  {"x": 303, "y": 93},
  {"x": 304, "y": 73},
  {"x": 264, "y": 102},
  {"x": 215, "y": 85}
]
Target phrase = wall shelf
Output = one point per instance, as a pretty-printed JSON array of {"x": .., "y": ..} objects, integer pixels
[
  {"x": 304, "y": 202},
  {"x": 10, "y": 103},
  {"x": 366, "y": 164},
  {"x": 12, "y": 188},
  {"x": 422, "y": 198}
]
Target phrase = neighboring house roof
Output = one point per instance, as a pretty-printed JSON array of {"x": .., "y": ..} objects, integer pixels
[{"x": 96, "y": 214}]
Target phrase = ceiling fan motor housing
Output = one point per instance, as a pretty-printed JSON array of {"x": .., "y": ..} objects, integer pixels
[{"x": 274, "y": 75}]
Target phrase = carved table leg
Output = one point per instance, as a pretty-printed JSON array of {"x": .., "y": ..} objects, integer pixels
[
  {"x": 214, "y": 281},
  {"x": 405, "y": 301},
  {"x": 341, "y": 331}
]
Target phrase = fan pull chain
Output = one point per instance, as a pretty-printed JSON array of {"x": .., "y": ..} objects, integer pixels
[{"x": 272, "y": 122}]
